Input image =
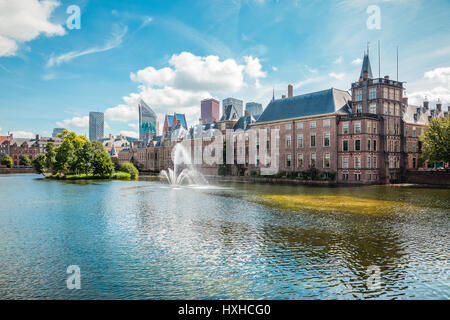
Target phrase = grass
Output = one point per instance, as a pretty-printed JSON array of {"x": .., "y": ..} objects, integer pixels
[
  {"x": 330, "y": 203},
  {"x": 89, "y": 176}
]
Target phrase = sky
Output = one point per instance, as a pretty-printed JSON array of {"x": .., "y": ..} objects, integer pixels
[{"x": 173, "y": 54}]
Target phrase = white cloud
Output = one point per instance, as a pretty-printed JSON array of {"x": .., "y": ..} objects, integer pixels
[
  {"x": 22, "y": 134},
  {"x": 274, "y": 68},
  {"x": 439, "y": 74},
  {"x": 181, "y": 86},
  {"x": 25, "y": 20},
  {"x": 132, "y": 134},
  {"x": 112, "y": 43},
  {"x": 253, "y": 68},
  {"x": 338, "y": 76},
  {"x": 75, "y": 122},
  {"x": 135, "y": 126},
  {"x": 357, "y": 61},
  {"x": 338, "y": 60}
]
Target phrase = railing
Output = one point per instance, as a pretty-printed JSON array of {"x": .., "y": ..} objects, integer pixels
[{"x": 377, "y": 81}]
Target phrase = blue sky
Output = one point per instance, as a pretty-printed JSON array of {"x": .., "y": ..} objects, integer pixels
[{"x": 175, "y": 53}]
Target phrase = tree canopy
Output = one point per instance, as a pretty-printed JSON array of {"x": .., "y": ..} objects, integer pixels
[
  {"x": 436, "y": 141},
  {"x": 7, "y": 161}
]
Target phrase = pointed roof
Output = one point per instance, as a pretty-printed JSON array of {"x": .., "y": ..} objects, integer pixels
[{"x": 366, "y": 66}]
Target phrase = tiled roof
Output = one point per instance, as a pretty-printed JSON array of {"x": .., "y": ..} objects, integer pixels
[
  {"x": 230, "y": 113},
  {"x": 321, "y": 102}
]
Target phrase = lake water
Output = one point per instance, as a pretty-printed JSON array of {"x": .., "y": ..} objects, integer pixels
[{"x": 146, "y": 240}]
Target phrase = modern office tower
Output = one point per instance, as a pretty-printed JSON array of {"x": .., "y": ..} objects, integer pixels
[
  {"x": 148, "y": 121},
  {"x": 57, "y": 131},
  {"x": 254, "y": 108},
  {"x": 209, "y": 110},
  {"x": 236, "y": 103},
  {"x": 96, "y": 125}
]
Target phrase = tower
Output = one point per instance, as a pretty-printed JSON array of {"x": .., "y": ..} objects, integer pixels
[{"x": 96, "y": 125}]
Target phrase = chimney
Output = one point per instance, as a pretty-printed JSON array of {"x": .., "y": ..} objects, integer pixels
[
  {"x": 439, "y": 106},
  {"x": 120, "y": 136},
  {"x": 366, "y": 75},
  {"x": 290, "y": 91},
  {"x": 426, "y": 104},
  {"x": 110, "y": 136},
  {"x": 283, "y": 96},
  {"x": 405, "y": 100},
  {"x": 37, "y": 137},
  {"x": 386, "y": 77},
  {"x": 247, "y": 113},
  {"x": 361, "y": 79}
]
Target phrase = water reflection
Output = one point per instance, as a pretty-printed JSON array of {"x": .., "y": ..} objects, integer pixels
[{"x": 148, "y": 240}]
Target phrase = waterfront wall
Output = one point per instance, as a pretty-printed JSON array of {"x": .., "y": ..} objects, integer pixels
[
  {"x": 271, "y": 180},
  {"x": 428, "y": 177},
  {"x": 16, "y": 170}
]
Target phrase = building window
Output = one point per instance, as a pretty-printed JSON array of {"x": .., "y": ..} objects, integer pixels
[
  {"x": 288, "y": 126},
  {"x": 288, "y": 160},
  {"x": 369, "y": 126},
  {"x": 326, "y": 160},
  {"x": 368, "y": 145},
  {"x": 391, "y": 94},
  {"x": 359, "y": 95},
  {"x": 300, "y": 125},
  {"x": 326, "y": 123},
  {"x": 368, "y": 162},
  {"x": 397, "y": 95},
  {"x": 358, "y": 162},
  {"x": 345, "y": 128},
  {"x": 345, "y": 145},
  {"x": 373, "y": 108},
  {"x": 397, "y": 110},
  {"x": 300, "y": 141},
  {"x": 345, "y": 176},
  {"x": 300, "y": 160},
  {"x": 374, "y": 145},
  {"x": 288, "y": 141},
  {"x": 357, "y": 176},
  {"x": 414, "y": 132},
  {"x": 406, "y": 131},
  {"x": 345, "y": 162},
  {"x": 385, "y": 107},
  {"x": 359, "y": 108},
  {"x": 357, "y": 127},
  {"x": 374, "y": 162},
  {"x": 313, "y": 159},
  {"x": 372, "y": 93},
  {"x": 414, "y": 162},
  {"x": 374, "y": 127},
  {"x": 224, "y": 126},
  {"x": 391, "y": 109},
  {"x": 313, "y": 140},
  {"x": 312, "y": 124},
  {"x": 385, "y": 93},
  {"x": 357, "y": 145},
  {"x": 326, "y": 139}
]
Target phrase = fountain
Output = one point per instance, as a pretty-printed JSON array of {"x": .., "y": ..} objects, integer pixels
[{"x": 183, "y": 169}]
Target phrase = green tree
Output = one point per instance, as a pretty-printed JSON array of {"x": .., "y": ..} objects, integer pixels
[
  {"x": 102, "y": 164},
  {"x": 436, "y": 141},
  {"x": 84, "y": 158},
  {"x": 65, "y": 154},
  {"x": 39, "y": 163},
  {"x": 24, "y": 160},
  {"x": 7, "y": 161},
  {"x": 129, "y": 168},
  {"x": 50, "y": 156}
]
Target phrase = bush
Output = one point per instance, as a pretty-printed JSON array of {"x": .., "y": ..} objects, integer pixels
[
  {"x": 7, "y": 161},
  {"x": 128, "y": 167},
  {"x": 121, "y": 176}
]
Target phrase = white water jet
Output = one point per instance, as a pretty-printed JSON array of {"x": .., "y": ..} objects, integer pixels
[{"x": 183, "y": 169}]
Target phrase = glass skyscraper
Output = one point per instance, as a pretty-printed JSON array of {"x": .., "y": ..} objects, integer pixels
[
  {"x": 96, "y": 125},
  {"x": 148, "y": 121}
]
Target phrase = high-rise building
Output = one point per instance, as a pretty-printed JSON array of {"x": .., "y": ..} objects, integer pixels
[
  {"x": 96, "y": 125},
  {"x": 209, "y": 110},
  {"x": 254, "y": 108},
  {"x": 236, "y": 103},
  {"x": 57, "y": 131},
  {"x": 148, "y": 121}
]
